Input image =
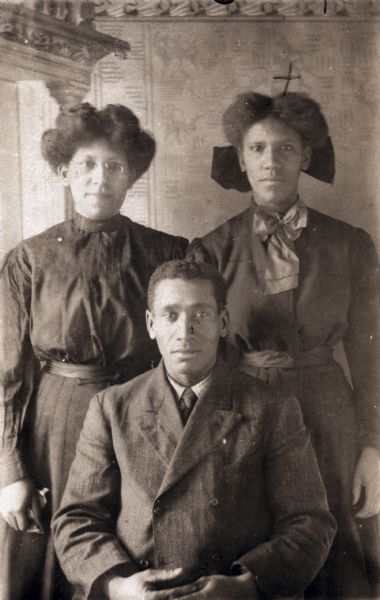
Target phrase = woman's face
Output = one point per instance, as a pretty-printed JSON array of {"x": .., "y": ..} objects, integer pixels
[
  {"x": 98, "y": 177},
  {"x": 273, "y": 156}
]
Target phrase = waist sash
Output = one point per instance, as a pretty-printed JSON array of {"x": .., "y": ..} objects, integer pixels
[
  {"x": 276, "y": 359},
  {"x": 95, "y": 373}
]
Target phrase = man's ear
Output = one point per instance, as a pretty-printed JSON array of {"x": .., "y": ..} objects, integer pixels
[
  {"x": 63, "y": 171},
  {"x": 306, "y": 158},
  {"x": 241, "y": 159},
  {"x": 225, "y": 320},
  {"x": 150, "y": 324}
]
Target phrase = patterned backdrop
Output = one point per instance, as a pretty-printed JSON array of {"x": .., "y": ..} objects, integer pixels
[{"x": 180, "y": 77}]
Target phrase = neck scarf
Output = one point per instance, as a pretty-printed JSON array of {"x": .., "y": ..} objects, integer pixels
[{"x": 280, "y": 232}]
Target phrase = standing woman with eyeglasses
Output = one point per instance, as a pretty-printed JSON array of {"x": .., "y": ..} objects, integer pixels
[
  {"x": 72, "y": 301},
  {"x": 299, "y": 282}
]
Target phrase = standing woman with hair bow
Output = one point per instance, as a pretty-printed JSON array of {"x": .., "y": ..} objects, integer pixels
[
  {"x": 299, "y": 282},
  {"x": 73, "y": 300}
]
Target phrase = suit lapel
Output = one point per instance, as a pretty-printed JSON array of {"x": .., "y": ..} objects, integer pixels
[
  {"x": 212, "y": 419},
  {"x": 159, "y": 420}
]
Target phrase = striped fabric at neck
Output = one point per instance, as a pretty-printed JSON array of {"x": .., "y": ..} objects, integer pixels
[{"x": 280, "y": 232}]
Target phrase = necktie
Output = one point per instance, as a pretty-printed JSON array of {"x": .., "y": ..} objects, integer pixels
[
  {"x": 282, "y": 268},
  {"x": 186, "y": 403}
]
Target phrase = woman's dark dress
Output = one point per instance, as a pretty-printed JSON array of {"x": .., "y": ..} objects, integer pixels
[
  {"x": 337, "y": 299},
  {"x": 75, "y": 294}
]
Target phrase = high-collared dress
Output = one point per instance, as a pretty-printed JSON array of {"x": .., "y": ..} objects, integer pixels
[
  {"x": 73, "y": 301},
  {"x": 287, "y": 339}
]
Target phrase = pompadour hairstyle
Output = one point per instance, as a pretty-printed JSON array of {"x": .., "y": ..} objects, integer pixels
[
  {"x": 294, "y": 109},
  {"x": 83, "y": 124}
]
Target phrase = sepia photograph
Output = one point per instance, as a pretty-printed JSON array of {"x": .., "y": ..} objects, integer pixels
[{"x": 189, "y": 299}]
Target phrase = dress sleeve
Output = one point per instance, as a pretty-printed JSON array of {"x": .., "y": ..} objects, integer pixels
[
  {"x": 179, "y": 248},
  {"x": 197, "y": 251},
  {"x": 362, "y": 338},
  {"x": 18, "y": 363}
]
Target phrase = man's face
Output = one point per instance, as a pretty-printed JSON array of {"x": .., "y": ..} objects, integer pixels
[{"x": 187, "y": 326}]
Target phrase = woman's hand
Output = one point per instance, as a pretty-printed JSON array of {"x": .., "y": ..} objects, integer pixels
[
  {"x": 367, "y": 475},
  {"x": 20, "y": 506}
]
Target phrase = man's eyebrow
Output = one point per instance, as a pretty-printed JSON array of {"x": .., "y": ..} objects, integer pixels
[{"x": 193, "y": 306}]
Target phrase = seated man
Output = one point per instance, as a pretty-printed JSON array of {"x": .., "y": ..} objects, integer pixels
[{"x": 191, "y": 481}]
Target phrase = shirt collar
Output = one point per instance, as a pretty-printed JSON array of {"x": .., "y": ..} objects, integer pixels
[{"x": 198, "y": 388}]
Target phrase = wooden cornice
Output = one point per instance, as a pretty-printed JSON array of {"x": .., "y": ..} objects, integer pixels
[{"x": 38, "y": 46}]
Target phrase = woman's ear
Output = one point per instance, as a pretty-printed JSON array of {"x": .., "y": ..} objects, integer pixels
[
  {"x": 131, "y": 179},
  {"x": 241, "y": 159},
  {"x": 63, "y": 174},
  {"x": 306, "y": 158}
]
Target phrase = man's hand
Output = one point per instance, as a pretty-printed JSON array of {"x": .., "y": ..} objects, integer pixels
[
  {"x": 19, "y": 505},
  {"x": 214, "y": 587},
  {"x": 367, "y": 474},
  {"x": 140, "y": 586}
]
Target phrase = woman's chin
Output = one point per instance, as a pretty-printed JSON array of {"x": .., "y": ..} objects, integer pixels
[
  {"x": 274, "y": 203},
  {"x": 96, "y": 212}
]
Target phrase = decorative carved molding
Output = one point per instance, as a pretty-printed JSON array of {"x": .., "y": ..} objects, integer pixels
[
  {"x": 66, "y": 91},
  {"x": 283, "y": 9},
  {"x": 36, "y": 45},
  {"x": 79, "y": 44}
]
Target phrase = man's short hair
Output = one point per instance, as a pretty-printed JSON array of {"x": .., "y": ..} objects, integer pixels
[{"x": 187, "y": 270}]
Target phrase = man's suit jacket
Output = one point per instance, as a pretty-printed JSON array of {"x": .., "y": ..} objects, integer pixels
[{"x": 239, "y": 484}]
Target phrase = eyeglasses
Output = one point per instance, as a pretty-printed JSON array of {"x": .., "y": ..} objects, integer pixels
[{"x": 112, "y": 168}]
